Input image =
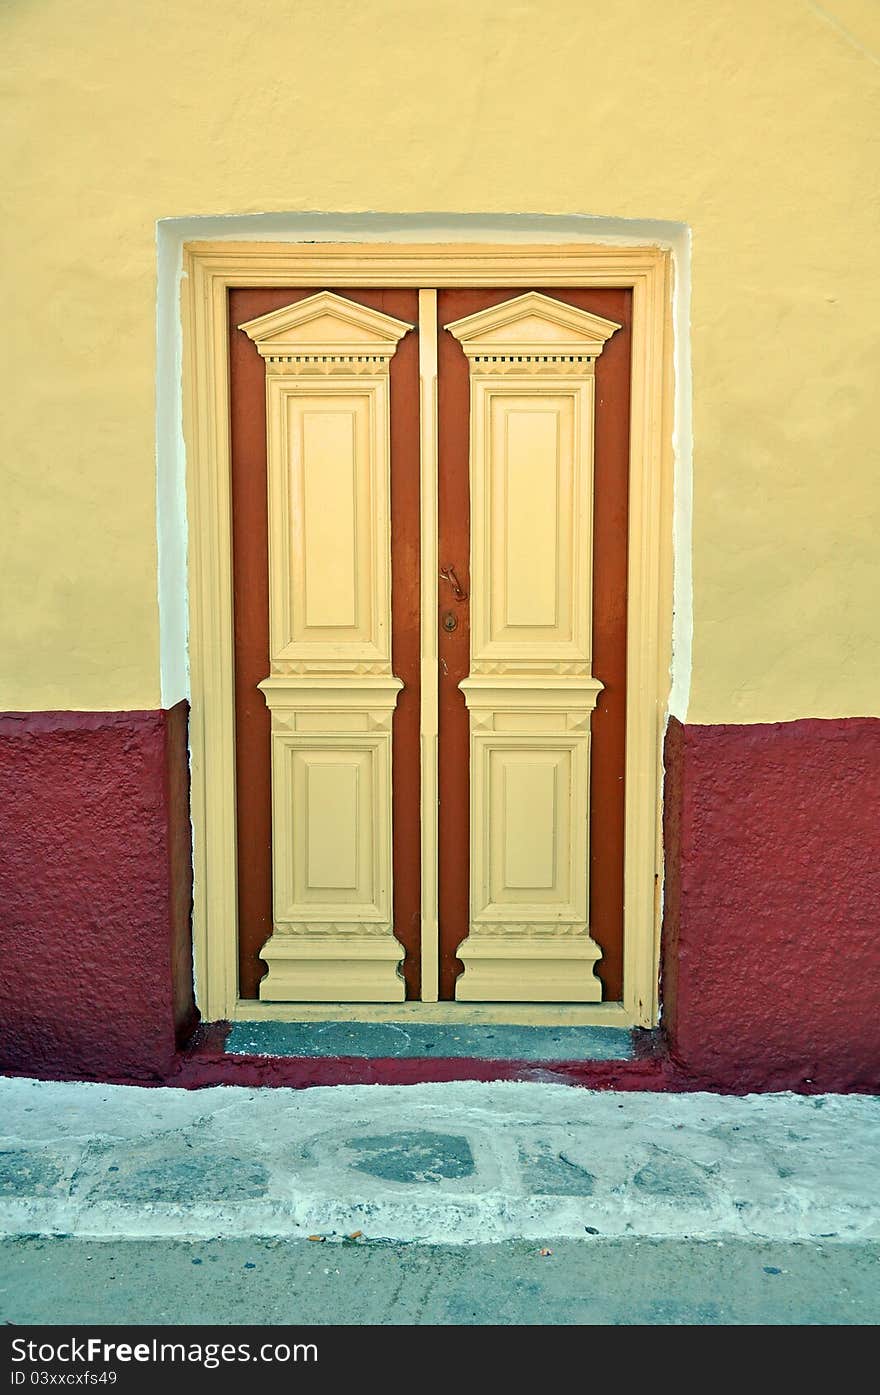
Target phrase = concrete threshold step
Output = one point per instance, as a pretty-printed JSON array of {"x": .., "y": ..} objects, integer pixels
[
  {"x": 422, "y": 1040},
  {"x": 462, "y": 1163}
]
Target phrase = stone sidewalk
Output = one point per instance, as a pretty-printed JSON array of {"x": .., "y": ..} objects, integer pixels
[{"x": 456, "y": 1163}]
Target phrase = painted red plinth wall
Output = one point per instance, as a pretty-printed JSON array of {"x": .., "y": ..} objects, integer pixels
[
  {"x": 95, "y": 893},
  {"x": 771, "y": 935},
  {"x": 771, "y": 944}
]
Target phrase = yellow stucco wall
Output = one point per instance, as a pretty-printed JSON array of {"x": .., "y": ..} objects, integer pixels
[{"x": 757, "y": 122}]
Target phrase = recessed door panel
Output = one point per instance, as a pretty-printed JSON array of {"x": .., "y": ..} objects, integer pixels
[
  {"x": 529, "y": 452},
  {"x": 329, "y": 518}
]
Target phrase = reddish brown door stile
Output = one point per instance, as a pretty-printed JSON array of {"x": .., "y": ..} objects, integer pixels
[{"x": 453, "y": 645}]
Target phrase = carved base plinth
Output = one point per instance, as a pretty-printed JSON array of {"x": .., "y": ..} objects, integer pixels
[
  {"x": 548, "y": 969},
  {"x": 346, "y": 969}
]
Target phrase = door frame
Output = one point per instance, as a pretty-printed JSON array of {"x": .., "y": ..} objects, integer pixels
[{"x": 210, "y": 269}]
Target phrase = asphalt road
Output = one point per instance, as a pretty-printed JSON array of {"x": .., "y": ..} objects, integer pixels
[{"x": 591, "y": 1281}]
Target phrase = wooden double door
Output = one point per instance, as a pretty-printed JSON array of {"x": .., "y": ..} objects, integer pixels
[{"x": 429, "y": 521}]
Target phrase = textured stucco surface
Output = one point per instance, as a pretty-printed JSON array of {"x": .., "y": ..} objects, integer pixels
[
  {"x": 93, "y": 928},
  {"x": 755, "y": 124},
  {"x": 771, "y": 954}
]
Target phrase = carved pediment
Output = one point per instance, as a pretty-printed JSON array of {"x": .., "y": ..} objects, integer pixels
[
  {"x": 325, "y": 325},
  {"x": 532, "y": 326}
]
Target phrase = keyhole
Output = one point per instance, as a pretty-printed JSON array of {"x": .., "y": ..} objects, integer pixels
[{"x": 450, "y": 621}]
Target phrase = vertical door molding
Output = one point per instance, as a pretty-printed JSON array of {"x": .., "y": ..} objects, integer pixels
[
  {"x": 531, "y": 688},
  {"x": 429, "y": 564},
  {"x": 330, "y": 689}
]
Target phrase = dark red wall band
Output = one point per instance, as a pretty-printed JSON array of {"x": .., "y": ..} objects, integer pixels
[
  {"x": 95, "y": 893},
  {"x": 771, "y": 936},
  {"x": 771, "y": 939}
]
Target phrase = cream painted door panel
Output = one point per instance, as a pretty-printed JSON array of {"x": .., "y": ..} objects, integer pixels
[
  {"x": 531, "y": 689},
  {"x": 331, "y": 690}
]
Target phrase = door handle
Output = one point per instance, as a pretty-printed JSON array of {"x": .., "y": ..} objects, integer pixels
[{"x": 448, "y": 574}]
